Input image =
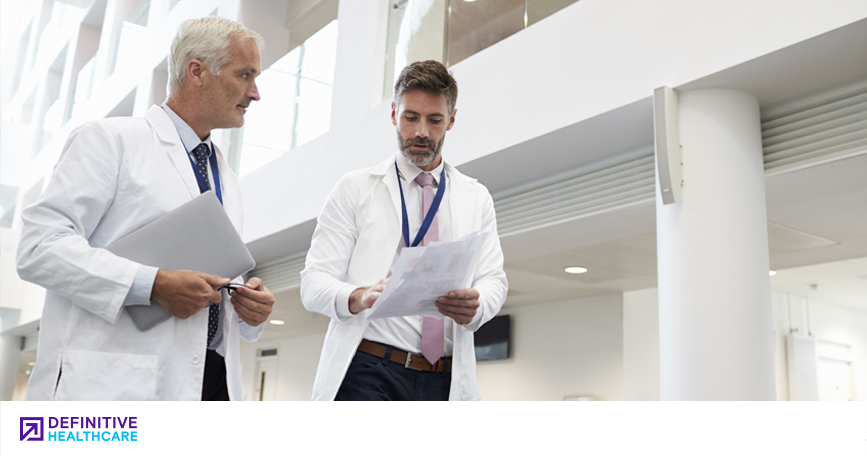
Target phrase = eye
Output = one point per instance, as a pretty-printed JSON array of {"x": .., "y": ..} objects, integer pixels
[
  {"x": 436, "y": 121},
  {"x": 411, "y": 118},
  {"x": 246, "y": 76}
]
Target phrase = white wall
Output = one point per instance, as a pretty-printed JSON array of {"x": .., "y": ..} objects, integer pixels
[
  {"x": 569, "y": 348},
  {"x": 297, "y": 358},
  {"x": 641, "y": 345},
  {"x": 826, "y": 322}
]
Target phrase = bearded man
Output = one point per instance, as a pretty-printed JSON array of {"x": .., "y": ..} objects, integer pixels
[{"x": 370, "y": 216}]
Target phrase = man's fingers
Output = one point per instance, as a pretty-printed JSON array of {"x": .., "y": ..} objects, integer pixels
[
  {"x": 467, "y": 293},
  {"x": 243, "y": 311},
  {"x": 258, "y": 296},
  {"x": 249, "y": 317},
  {"x": 215, "y": 281},
  {"x": 246, "y": 303},
  {"x": 214, "y": 297},
  {"x": 457, "y": 309},
  {"x": 256, "y": 284},
  {"x": 458, "y": 301},
  {"x": 370, "y": 297}
]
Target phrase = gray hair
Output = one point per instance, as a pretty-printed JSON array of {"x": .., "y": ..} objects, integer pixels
[{"x": 206, "y": 39}]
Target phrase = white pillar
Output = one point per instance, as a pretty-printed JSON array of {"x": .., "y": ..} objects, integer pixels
[{"x": 715, "y": 318}]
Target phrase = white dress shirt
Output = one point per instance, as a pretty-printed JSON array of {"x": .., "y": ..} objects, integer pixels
[{"x": 405, "y": 332}]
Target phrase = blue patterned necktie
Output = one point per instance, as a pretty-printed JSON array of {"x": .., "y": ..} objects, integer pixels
[{"x": 201, "y": 154}]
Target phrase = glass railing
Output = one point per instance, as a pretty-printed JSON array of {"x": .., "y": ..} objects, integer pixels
[
  {"x": 417, "y": 30},
  {"x": 296, "y": 101},
  {"x": 452, "y": 30}
]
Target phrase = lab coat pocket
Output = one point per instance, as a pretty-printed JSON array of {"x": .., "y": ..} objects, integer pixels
[{"x": 102, "y": 376}]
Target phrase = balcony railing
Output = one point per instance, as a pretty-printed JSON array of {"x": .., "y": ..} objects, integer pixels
[{"x": 452, "y": 30}]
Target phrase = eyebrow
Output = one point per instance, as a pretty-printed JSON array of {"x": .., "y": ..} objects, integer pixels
[{"x": 436, "y": 114}]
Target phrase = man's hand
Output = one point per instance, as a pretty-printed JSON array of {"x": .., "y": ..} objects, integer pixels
[
  {"x": 363, "y": 298},
  {"x": 460, "y": 305},
  {"x": 183, "y": 293},
  {"x": 253, "y": 302}
]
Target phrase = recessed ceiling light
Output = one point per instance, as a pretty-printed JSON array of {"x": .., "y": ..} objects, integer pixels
[
  {"x": 277, "y": 322},
  {"x": 772, "y": 273},
  {"x": 576, "y": 270}
]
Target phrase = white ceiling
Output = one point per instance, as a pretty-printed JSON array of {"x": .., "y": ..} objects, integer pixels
[{"x": 818, "y": 215}]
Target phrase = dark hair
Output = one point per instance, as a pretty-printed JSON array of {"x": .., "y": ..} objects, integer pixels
[{"x": 429, "y": 76}]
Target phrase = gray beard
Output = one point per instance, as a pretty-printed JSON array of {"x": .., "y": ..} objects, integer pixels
[{"x": 420, "y": 160}]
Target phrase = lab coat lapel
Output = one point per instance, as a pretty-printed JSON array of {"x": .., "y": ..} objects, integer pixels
[
  {"x": 160, "y": 122},
  {"x": 389, "y": 178},
  {"x": 461, "y": 206}
]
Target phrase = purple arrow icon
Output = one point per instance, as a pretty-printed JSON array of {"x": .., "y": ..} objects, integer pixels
[{"x": 32, "y": 425}]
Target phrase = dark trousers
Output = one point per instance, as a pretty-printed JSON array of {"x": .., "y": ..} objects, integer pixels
[
  {"x": 377, "y": 379},
  {"x": 214, "y": 387}
]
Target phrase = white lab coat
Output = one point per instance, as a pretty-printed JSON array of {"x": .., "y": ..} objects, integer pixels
[
  {"x": 353, "y": 246},
  {"x": 114, "y": 176}
]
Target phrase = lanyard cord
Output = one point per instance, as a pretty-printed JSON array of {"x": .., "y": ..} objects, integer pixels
[{"x": 431, "y": 213}]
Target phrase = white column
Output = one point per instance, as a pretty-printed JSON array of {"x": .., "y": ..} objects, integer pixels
[{"x": 715, "y": 318}]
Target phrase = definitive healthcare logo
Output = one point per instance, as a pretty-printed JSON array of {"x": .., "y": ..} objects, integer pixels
[{"x": 79, "y": 429}]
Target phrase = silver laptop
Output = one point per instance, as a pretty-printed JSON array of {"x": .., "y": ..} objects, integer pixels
[{"x": 197, "y": 236}]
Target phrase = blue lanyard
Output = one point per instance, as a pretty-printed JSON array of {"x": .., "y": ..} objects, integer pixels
[
  {"x": 431, "y": 213},
  {"x": 203, "y": 186}
]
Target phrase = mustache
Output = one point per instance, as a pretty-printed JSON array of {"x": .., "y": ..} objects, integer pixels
[{"x": 419, "y": 142}]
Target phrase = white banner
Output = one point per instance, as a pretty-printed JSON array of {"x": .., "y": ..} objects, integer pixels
[{"x": 486, "y": 428}]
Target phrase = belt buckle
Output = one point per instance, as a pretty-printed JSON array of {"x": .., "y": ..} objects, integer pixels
[{"x": 408, "y": 359}]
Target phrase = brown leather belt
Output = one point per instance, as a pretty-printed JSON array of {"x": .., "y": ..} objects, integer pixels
[{"x": 408, "y": 360}]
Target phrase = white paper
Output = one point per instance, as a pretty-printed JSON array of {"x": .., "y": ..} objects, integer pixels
[{"x": 422, "y": 274}]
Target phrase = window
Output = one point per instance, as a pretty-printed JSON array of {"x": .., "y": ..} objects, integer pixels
[{"x": 296, "y": 101}]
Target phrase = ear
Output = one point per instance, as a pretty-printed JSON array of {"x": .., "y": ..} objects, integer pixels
[
  {"x": 452, "y": 119},
  {"x": 393, "y": 115},
  {"x": 196, "y": 71}
]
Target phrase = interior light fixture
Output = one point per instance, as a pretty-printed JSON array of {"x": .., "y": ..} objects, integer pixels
[
  {"x": 772, "y": 273},
  {"x": 576, "y": 270},
  {"x": 277, "y": 322}
]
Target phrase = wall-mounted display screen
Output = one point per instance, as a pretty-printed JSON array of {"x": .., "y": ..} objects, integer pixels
[{"x": 492, "y": 339}]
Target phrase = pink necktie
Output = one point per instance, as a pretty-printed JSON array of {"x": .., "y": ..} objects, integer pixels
[{"x": 432, "y": 331}]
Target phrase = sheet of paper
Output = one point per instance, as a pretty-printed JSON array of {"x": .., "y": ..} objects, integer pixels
[{"x": 423, "y": 274}]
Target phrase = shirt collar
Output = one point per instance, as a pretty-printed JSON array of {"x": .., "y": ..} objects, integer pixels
[
  {"x": 188, "y": 137},
  {"x": 409, "y": 171}
]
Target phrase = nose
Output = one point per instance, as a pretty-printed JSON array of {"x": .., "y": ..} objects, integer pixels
[
  {"x": 422, "y": 129},
  {"x": 254, "y": 91}
]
